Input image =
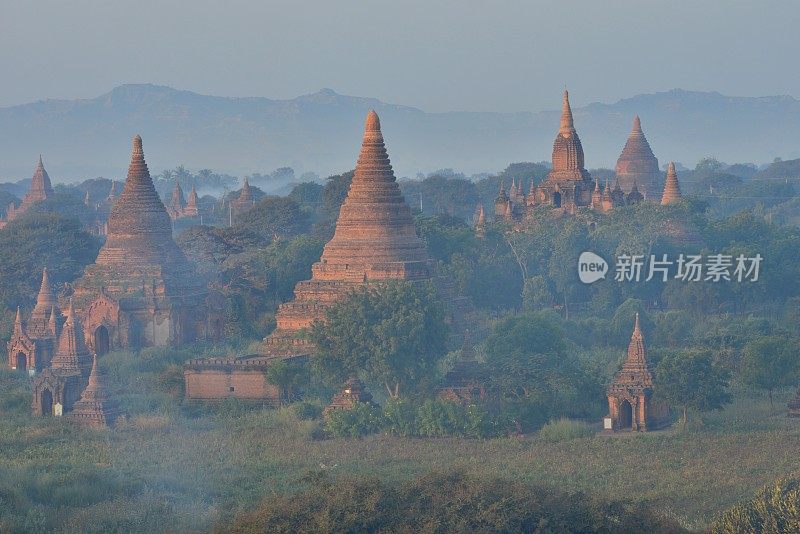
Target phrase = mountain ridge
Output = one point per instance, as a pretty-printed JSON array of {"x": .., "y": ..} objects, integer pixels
[{"x": 320, "y": 132}]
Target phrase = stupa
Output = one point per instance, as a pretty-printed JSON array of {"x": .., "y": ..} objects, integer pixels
[
  {"x": 40, "y": 189},
  {"x": 95, "y": 408},
  {"x": 637, "y": 165},
  {"x": 672, "y": 189},
  {"x": 141, "y": 291},
  {"x": 374, "y": 240},
  {"x": 630, "y": 397},
  {"x": 569, "y": 185},
  {"x": 177, "y": 203}
]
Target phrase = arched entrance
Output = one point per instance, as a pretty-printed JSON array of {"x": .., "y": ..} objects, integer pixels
[
  {"x": 47, "y": 402},
  {"x": 21, "y": 362},
  {"x": 625, "y": 415},
  {"x": 102, "y": 344},
  {"x": 556, "y": 200}
]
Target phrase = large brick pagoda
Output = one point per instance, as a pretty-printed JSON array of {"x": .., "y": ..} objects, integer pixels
[
  {"x": 142, "y": 291},
  {"x": 375, "y": 239},
  {"x": 637, "y": 166}
]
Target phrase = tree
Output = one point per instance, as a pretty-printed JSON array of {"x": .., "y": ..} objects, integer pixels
[
  {"x": 289, "y": 377},
  {"x": 392, "y": 333},
  {"x": 769, "y": 363},
  {"x": 690, "y": 379},
  {"x": 774, "y": 508},
  {"x": 534, "y": 374},
  {"x": 274, "y": 217}
]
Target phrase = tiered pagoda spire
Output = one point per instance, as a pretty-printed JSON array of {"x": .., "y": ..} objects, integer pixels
[
  {"x": 374, "y": 240},
  {"x": 41, "y": 188},
  {"x": 72, "y": 355},
  {"x": 39, "y": 324},
  {"x": 568, "y": 164},
  {"x": 191, "y": 209},
  {"x": 139, "y": 228},
  {"x": 635, "y": 370},
  {"x": 95, "y": 407},
  {"x": 672, "y": 189}
]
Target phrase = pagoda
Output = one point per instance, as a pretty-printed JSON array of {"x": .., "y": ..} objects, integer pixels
[
  {"x": 351, "y": 394},
  {"x": 637, "y": 166},
  {"x": 191, "y": 209},
  {"x": 32, "y": 343},
  {"x": 672, "y": 189},
  {"x": 245, "y": 199},
  {"x": 95, "y": 408},
  {"x": 569, "y": 185},
  {"x": 40, "y": 189},
  {"x": 374, "y": 240},
  {"x": 177, "y": 203},
  {"x": 141, "y": 291},
  {"x": 59, "y": 386},
  {"x": 630, "y": 397}
]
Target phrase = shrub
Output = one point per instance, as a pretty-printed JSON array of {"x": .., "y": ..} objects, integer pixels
[
  {"x": 437, "y": 418},
  {"x": 775, "y": 508},
  {"x": 307, "y": 410},
  {"x": 361, "y": 420},
  {"x": 400, "y": 417},
  {"x": 565, "y": 429}
]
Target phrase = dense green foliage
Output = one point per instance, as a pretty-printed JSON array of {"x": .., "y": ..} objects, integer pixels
[
  {"x": 392, "y": 333},
  {"x": 449, "y": 502}
]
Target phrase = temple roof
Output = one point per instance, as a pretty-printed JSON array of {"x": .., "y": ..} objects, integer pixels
[
  {"x": 637, "y": 156},
  {"x": 568, "y": 162},
  {"x": 672, "y": 189},
  {"x": 72, "y": 353},
  {"x": 635, "y": 370},
  {"x": 41, "y": 188}
]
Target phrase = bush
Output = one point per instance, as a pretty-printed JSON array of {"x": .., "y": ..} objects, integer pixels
[
  {"x": 307, "y": 410},
  {"x": 775, "y": 508},
  {"x": 361, "y": 420},
  {"x": 565, "y": 429},
  {"x": 400, "y": 417}
]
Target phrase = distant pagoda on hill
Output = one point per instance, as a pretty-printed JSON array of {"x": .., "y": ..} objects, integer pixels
[
  {"x": 142, "y": 291},
  {"x": 40, "y": 189}
]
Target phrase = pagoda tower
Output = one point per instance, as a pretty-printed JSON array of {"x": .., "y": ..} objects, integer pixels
[
  {"x": 59, "y": 386},
  {"x": 95, "y": 408},
  {"x": 245, "y": 199},
  {"x": 40, "y": 189},
  {"x": 374, "y": 240},
  {"x": 630, "y": 397},
  {"x": 32, "y": 344},
  {"x": 191, "y": 209},
  {"x": 177, "y": 202},
  {"x": 672, "y": 189},
  {"x": 141, "y": 291},
  {"x": 637, "y": 165},
  {"x": 569, "y": 185}
]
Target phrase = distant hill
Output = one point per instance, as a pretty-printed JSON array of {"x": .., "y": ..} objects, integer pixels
[{"x": 321, "y": 132}]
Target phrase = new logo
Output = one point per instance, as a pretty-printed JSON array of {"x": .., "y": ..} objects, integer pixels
[{"x": 591, "y": 267}]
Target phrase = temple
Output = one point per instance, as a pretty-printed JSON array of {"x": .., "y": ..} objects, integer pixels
[
  {"x": 40, "y": 189},
  {"x": 142, "y": 291},
  {"x": 32, "y": 343},
  {"x": 672, "y": 189},
  {"x": 568, "y": 186},
  {"x": 375, "y": 240},
  {"x": 637, "y": 166},
  {"x": 630, "y": 397},
  {"x": 58, "y": 387},
  {"x": 466, "y": 382},
  {"x": 352, "y": 393},
  {"x": 244, "y": 201}
]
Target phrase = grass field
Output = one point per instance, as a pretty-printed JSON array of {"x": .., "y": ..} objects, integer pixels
[{"x": 167, "y": 468}]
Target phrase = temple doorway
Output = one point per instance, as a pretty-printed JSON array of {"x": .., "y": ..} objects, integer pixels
[
  {"x": 102, "y": 343},
  {"x": 47, "y": 402},
  {"x": 21, "y": 362},
  {"x": 625, "y": 416},
  {"x": 556, "y": 200}
]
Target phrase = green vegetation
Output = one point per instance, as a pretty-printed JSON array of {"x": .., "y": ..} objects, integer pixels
[{"x": 774, "y": 509}]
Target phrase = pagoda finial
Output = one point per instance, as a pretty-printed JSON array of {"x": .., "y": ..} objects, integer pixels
[
  {"x": 137, "y": 144},
  {"x": 52, "y": 325},
  {"x": 597, "y": 185},
  {"x": 70, "y": 313},
  {"x": 672, "y": 189},
  {"x": 567, "y": 126},
  {"x": 373, "y": 123},
  {"x": 18, "y": 322},
  {"x": 481, "y": 215},
  {"x": 637, "y": 125},
  {"x": 636, "y": 327}
]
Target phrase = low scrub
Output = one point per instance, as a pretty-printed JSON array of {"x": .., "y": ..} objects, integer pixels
[{"x": 565, "y": 429}]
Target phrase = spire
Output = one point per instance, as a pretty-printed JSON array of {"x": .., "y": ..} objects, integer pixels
[
  {"x": 41, "y": 188},
  {"x": 177, "y": 203},
  {"x": 72, "y": 354},
  {"x": 509, "y": 214},
  {"x": 597, "y": 186},
  {"x": 481, "y": 215},
  {"x": 637, "y": 162},
  {"x": 373, "y": 122},
  {"x": 52, "y": 324},
  {"x": 672, "y": 189},
  {"x": 18, "y": 323},
  {"x": 567, "y": 127},
  {"x": 112, "y": 193},
  {"x": 95, "y": 407},
  {"x": 637, "y": 126},
  {"x": 46, "y": 299},
  {"x": 86, "y": 199},
  {"x": 637, "y": 357}
]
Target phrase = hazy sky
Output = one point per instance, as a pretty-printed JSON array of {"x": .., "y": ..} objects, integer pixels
[{"x": 437, "y": 55}]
